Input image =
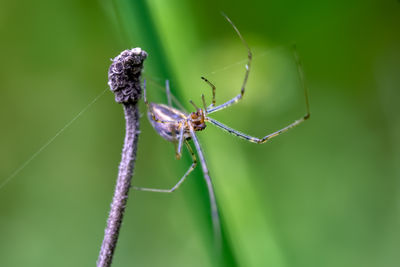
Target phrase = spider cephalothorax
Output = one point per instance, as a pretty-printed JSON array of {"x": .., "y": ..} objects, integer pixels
[{"x": 197, "y": 120}]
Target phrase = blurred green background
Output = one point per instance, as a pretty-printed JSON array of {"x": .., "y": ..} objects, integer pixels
[{"x": 324, "y": 194}]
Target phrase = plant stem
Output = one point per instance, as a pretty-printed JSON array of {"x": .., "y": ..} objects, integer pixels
[
  {"x": 122, "y": 187},
  {"x": 124, "y": 81}
]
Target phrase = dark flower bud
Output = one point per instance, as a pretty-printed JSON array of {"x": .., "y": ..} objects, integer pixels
[{"x": 124, "y": 75}]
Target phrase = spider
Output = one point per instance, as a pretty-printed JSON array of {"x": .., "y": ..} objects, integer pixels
[{"x": 179, "y": 127}]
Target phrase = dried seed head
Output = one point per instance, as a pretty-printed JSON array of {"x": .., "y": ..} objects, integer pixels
[{"x": 124, "y": 75}]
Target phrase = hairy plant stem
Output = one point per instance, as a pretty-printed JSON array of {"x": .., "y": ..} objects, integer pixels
[
  {"x": 124, "y": 81},
  {"x": 122, "y": 187}
]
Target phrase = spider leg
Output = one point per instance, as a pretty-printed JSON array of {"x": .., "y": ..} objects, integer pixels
[
  {"x": 178, "y": 144},
  {"x": 213, "y": 202},
  {"x": 178, "y": 150},
  {"x": 213, "y": 91},
  {"x": 255, "y": 139},
  {"x": 204, "y": 103},
  {"x": 174, "y": 100},
  {"x": 149, "y": 107},
  {"x": 267, "y": 137},
  {"x": 246, "y": 75},
  {"x": 191, "y": 168}
]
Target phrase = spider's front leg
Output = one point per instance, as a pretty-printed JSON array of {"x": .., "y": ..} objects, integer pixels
[
  {"x": 255, "y": 139},
  {"x": 213, "y": 93},
  {"x": 246, "y": 75}
]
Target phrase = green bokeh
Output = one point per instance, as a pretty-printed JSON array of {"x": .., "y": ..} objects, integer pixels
[{"x": 327, "y": 193}]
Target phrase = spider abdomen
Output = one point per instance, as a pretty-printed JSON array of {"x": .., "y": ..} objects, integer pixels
[{"x": 170, "y": 121}]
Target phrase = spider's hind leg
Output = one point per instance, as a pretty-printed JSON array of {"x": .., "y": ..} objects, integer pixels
[
  {"x": 148, "y": 106},
  {"x": 191, "y": 168},
  {"x": 178, "y": 144}
]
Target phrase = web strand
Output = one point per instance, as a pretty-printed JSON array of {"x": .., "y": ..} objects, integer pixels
[{"x": 40, "y": 150}]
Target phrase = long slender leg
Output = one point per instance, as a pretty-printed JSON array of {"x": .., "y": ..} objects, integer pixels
[
  {"x": 204, "y": 103},
  {"x": 149, "y": 106},
  {"x": 255, "y": 139},
  {"x": 194, "y": 105},
  {"x": 178, "y": 144},
  {"x": 213, "y": 202},
  {"x": 294, "y": 124},
  {"x": 180, "y": 141},
  {"x": 191, "y": 168},
  {"x": 213, "y": 92},
  {"x": 246, "y": 76},
  {"x": 173, "y": 98}
]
